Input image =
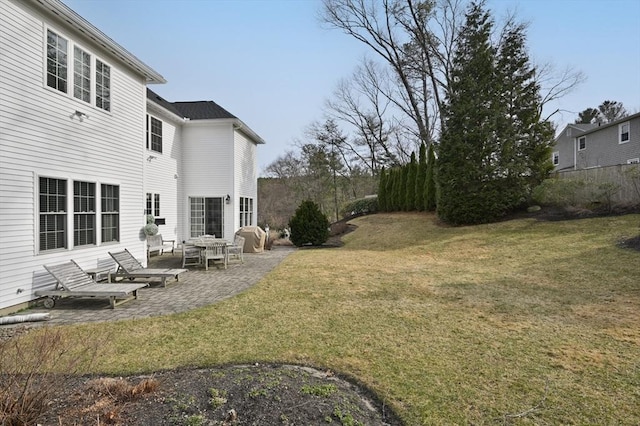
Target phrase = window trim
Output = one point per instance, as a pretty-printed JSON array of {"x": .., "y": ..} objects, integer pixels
[
  {"x": 584, "y": 140},
  {"x": 60, "y": 215},
  {"x": 628, "y": 132},
  {"x": 111, "y": 213},
  {"x": 555, "y": 158},
  {"x": 245, "y": 211}
]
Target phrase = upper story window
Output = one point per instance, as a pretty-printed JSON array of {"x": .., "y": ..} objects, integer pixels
[
  {"x": 623, "y": 132},
  {"x": 81, "y": 75},
  {"x": 90, "y": 75},
  {"x": 56, "y": 61},
  {"x": 154, "y": 134},
  {"x": 582, "y": 143},
  {"x": 103, "y": 85},
  {"x": 556, "y": 158}
]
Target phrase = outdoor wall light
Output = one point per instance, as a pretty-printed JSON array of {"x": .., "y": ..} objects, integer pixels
[
  {"x": 227, "y": 199},
  {"x": 151, "y": 157},
  {"x": 81, "y": 115}
]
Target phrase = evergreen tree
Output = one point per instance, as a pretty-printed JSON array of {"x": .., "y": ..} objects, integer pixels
[
  {"x": 467, "y": 163},
  {"x": 309, "y": 225},
  {"x": 430, "y": 195},
  {"x": 382, "y": 191},
  {"x": 421, "y": 177},
  {"x": 404, "y": 178},
  {"x": 525, "y": 142},
  {"x": 410, "y": 188},
  {"x": 397, "y": 189}
]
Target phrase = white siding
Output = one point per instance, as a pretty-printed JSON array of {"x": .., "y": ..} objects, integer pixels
[
  {"x": 163, "y": 176},
  {"x": 39, "y": 136},
  {"x": 208, "y": 166},
  {"x": 245, "y": 174}
]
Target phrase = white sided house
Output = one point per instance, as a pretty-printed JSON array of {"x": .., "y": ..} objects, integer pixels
[{"x": 86, "y": 152}]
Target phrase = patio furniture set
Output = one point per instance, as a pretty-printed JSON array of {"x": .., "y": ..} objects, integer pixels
[{"x": 72, "y": 281}]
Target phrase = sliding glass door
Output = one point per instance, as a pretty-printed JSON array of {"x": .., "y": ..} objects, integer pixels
[{"x": 205, "y": 216}]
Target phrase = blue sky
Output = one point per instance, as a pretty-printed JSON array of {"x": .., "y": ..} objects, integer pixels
[{"x": 272, "y": 64}]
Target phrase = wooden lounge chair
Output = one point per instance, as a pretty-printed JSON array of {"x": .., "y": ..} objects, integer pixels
[
  {"x": 72, "y": 281},
  {"x": 129, "y": 267}
]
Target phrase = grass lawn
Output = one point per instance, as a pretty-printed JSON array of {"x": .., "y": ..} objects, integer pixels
[{"x": 520, "y": 322}]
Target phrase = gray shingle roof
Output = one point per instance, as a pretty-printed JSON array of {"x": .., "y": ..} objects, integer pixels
[
  {"x": 153, "y": 96},
  {"x": 202, "y": 110}
]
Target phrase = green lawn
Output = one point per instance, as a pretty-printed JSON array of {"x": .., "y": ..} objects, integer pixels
[{"x": 520, "y": 322}]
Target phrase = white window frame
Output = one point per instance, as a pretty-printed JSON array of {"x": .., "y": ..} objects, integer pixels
[
  {"x": 628, "y": 132},
  {"x": 99, "y": 93},
  {"x": 582, "y": 138},
  {"x": 555, "y": 158},
  {"x": 107, "y": 216},
  {"x": 82, "y": 83},
  {"x": 84, "y": 213},
  {"x": 157, "y": 134},
  {"x": 246, "y": 211}
]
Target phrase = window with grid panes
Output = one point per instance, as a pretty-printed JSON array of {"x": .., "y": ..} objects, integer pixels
[
  {"x": 53, "y": 213},
  {"x": 103, "y": 85},
  {"x": 84, "y": 213},
  {"x": 81, "y": 74},
  {"x": 110, "y": 207},
  {"x": 156, "y": 205},
  {"x": 56, "y": 61},
  {"x": 155, "y": 134},
  {"x": 149, "y": 204}
]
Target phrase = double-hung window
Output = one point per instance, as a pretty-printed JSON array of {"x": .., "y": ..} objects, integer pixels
[
  {"x": 556, "y": 158},
  {"x": 154, "y": 134},
  {"x": 81, "y": 75},
  {"x": 103, "y": 85},
  {"x": 56, "y": 61},
  {"x": 623, "y": 132},
  {"x": 90, "y": 75},
  {"x": 246, "y": 211},
  {"x": 53, "y": 213},
  {"x": 84, "y": 213},
  {"x": 582, "y": 143},
  {"x": 110, "y": 203},
  {"x": 152, "y": 206}
]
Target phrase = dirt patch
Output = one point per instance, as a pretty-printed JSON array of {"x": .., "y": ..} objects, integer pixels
[{"x": 231, "y": 395}]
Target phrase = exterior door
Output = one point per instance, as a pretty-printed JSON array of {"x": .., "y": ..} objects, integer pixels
[{"x": 206, "y": 216}]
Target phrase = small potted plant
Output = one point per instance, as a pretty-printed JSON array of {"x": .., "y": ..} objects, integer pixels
[{"x": 150, "y": 228}]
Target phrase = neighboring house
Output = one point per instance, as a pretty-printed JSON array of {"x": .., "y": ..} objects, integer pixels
[
  {"x": 584, "y": 146},
  {"x": 78, "y": 175}
]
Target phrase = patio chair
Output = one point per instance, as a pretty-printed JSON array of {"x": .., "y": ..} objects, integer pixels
[
  {"x": 129, "y": 267},
  {"x": 72, "y": 281},
  {"x": 191, "y": 255},
  {"x": 215, "y": 251},
  {"x": 236, "y": 250}
]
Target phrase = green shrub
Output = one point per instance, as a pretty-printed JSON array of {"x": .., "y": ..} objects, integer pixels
[
  {"x": 360, "y": 206},
  {"x": 559, "y": 192},
  {"x": 309, "y": 225}
]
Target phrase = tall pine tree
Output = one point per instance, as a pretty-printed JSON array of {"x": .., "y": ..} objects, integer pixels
[
  {"x": 412, "y": 175},
  {"x": 421, "y": 177},
  {"x": 467, "y": 163},
  {"x": 430, "y": 195}
]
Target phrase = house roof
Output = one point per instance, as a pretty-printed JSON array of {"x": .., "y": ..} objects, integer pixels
[
  {"x": 202, "y": 110},
  {"x": 153, "y": 96},
  {"x": 66, "y": 15},
  {"x": 613, "y": 123}
]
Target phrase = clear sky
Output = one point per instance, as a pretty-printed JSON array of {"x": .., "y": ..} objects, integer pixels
[{"x": 272, "y": 64}]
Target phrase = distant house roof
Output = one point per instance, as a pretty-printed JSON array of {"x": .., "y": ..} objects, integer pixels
[
  {"x": 597, "y": 127},
  {"x": 202, "y": 110}
]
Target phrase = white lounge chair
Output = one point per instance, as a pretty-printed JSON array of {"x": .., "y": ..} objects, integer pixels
[{"x": 72, "y": 281}]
